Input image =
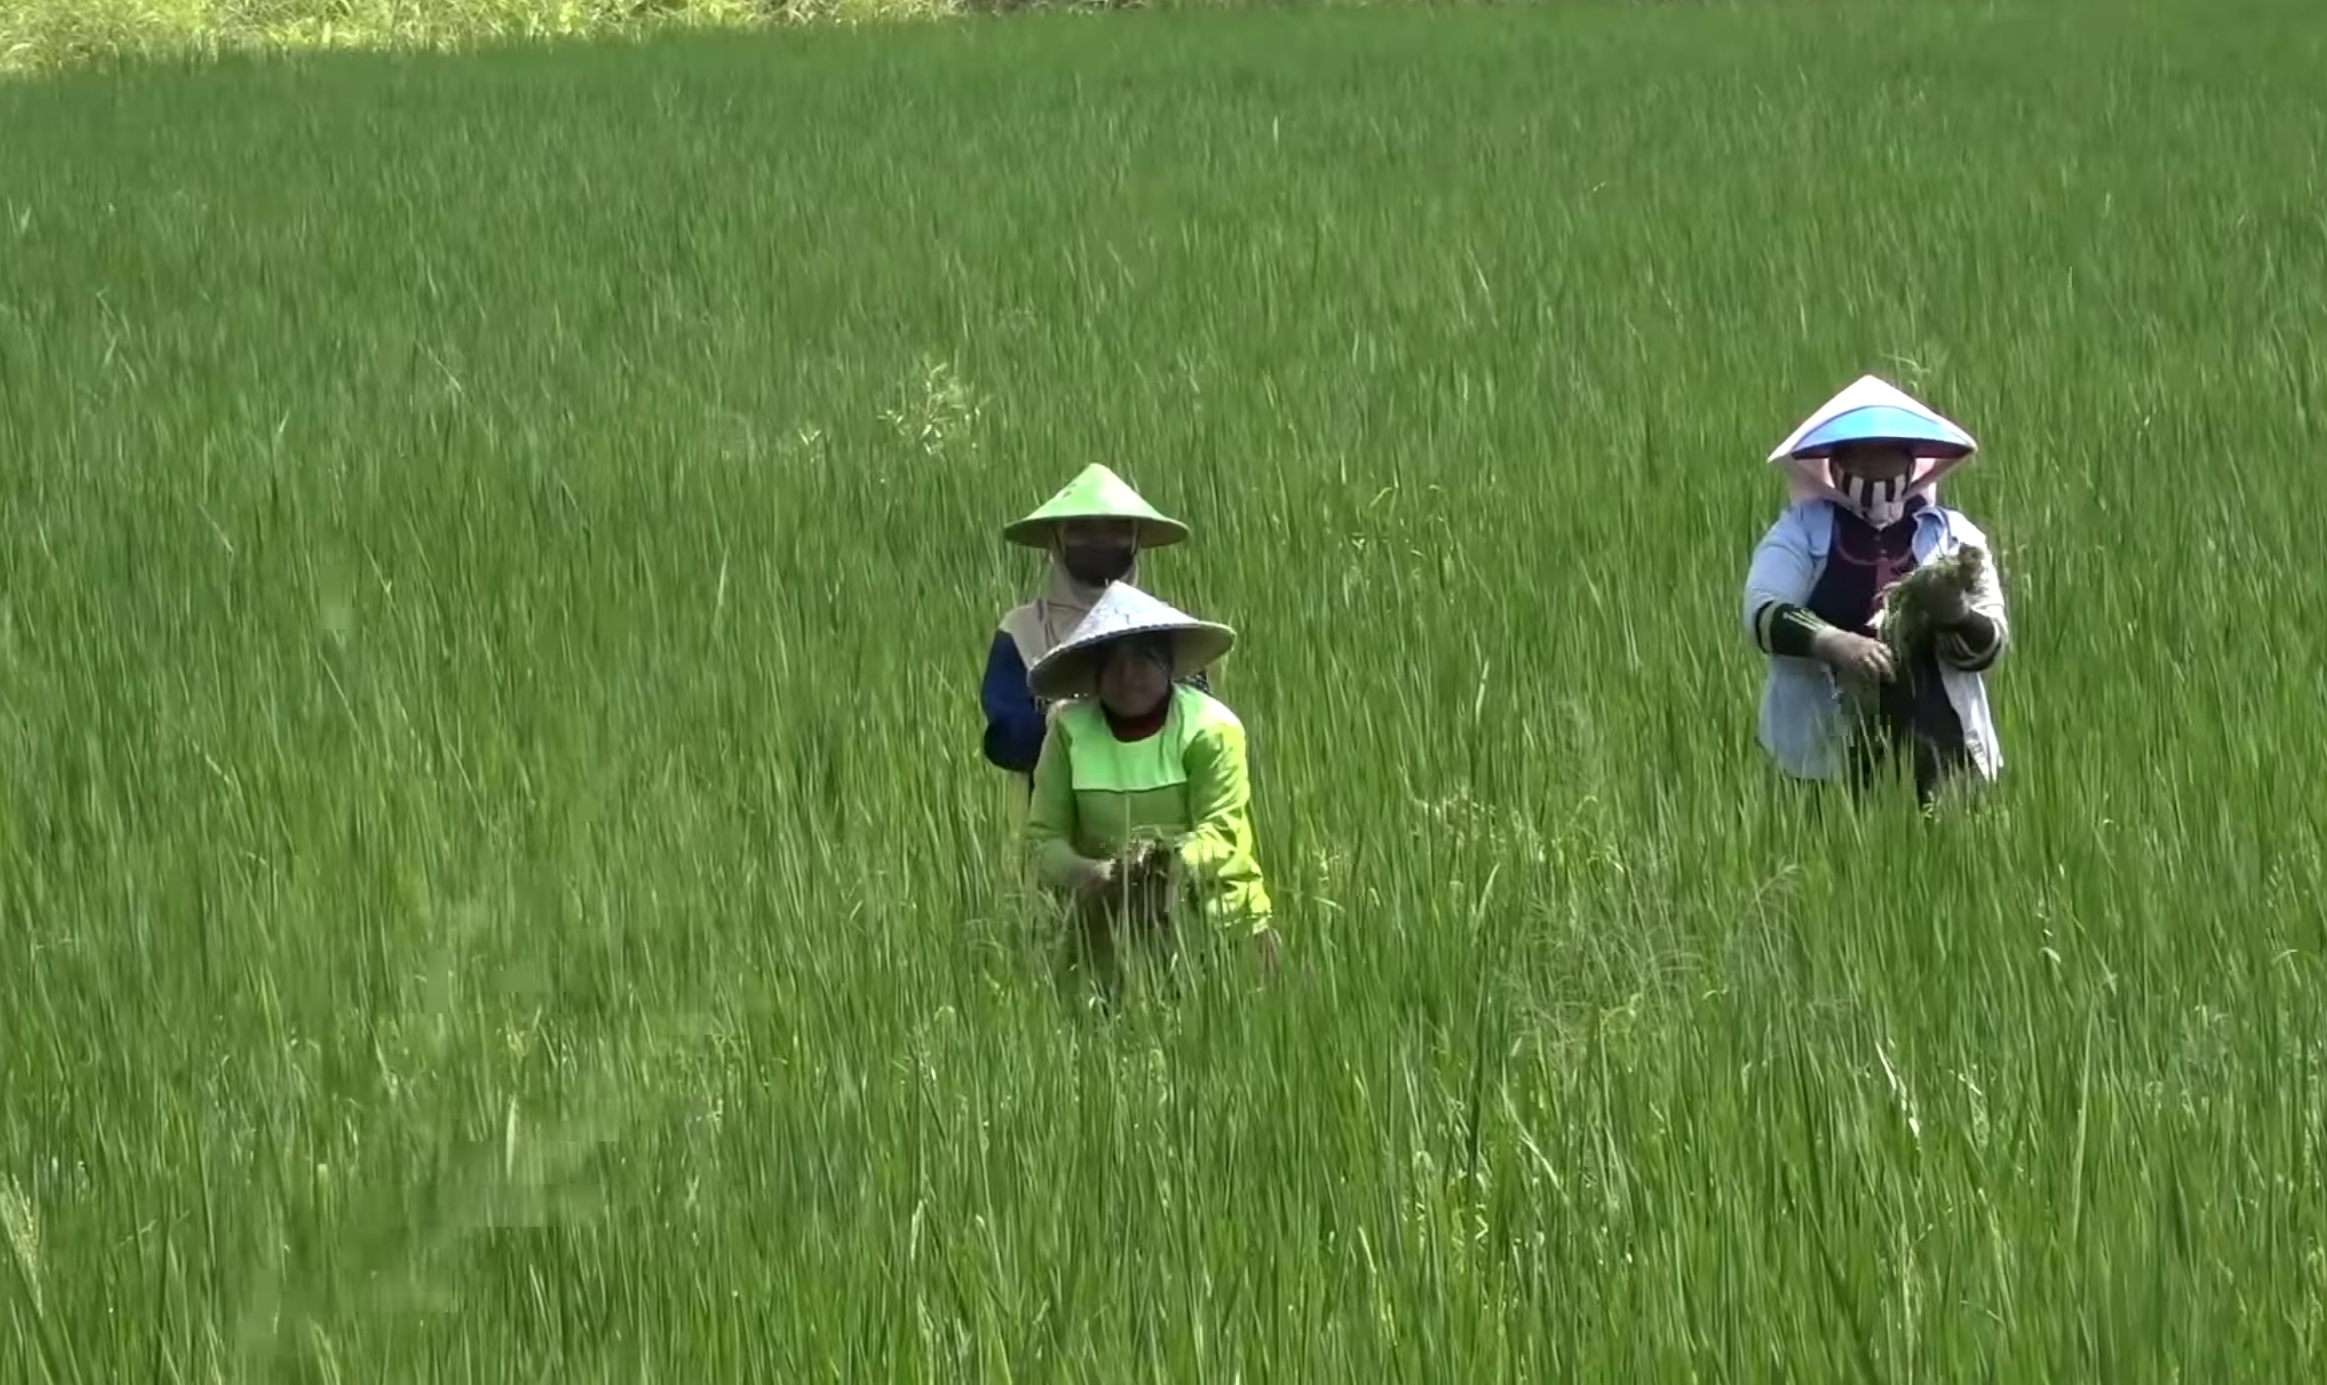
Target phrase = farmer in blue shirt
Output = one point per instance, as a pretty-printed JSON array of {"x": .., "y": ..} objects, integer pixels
[
  {"x": 1094, "y": 531},
  {"x": 1838, "y": 703}
]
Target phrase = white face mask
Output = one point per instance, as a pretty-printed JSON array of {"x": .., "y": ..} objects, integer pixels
[{"x": 1881, "y": 503}]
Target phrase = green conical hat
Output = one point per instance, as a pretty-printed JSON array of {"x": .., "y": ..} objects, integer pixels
[
  {"x": 1071, "y": 668},
  {"x": 1097, "y": 494}
]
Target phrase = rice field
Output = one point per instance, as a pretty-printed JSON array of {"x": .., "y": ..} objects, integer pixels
[{"x": 498, "y": 879}]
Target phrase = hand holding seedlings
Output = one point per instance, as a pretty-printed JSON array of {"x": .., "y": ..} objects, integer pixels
[{"x": 1853, "y": 656}]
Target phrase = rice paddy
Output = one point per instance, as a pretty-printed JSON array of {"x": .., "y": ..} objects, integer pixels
[{"x": 497, "y": 880}]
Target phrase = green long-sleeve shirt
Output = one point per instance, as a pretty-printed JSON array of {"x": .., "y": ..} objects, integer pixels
[{"x": 1187, "y": 786}]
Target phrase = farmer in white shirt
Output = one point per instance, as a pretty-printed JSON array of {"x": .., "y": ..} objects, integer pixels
[{"x": 1864, "y": 474}]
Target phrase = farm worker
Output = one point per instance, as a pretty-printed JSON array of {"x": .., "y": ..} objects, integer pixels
[
  {"x": 1864, "y": 473},
  {"x": 1142, "y": 795},
  {"x": 1094, "y": 530}
]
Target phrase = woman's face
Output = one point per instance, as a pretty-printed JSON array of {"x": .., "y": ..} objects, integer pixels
[
  {"x": 1097, "y": 551},
  {"x": 1873, "y": 461},
  {"x": 1135, "y": 679}
]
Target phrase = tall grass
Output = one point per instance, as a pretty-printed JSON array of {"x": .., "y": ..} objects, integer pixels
[{"x": 498, "y": 880}]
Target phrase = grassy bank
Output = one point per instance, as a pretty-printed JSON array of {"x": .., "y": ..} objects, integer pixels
[
  {"x": 45, "y": 35},
  {"x": 38, "y": 35},
  {"x": 497, "y": 878}
]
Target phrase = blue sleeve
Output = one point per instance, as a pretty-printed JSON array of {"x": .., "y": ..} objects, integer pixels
[{"x": 1014, "y": 725}]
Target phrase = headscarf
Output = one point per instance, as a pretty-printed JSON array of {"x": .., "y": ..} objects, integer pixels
[
  {"x": 1877, "y": 502},
  {"x": 1058, "y": 607}
]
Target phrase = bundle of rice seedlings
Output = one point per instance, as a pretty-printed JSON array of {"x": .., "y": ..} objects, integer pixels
[
  {"x": 1146, "y": 885},
  {"x": 1907, "y": 621}
]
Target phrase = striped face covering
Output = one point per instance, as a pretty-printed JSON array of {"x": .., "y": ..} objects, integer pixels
[{"x": 1881, "y": 502}]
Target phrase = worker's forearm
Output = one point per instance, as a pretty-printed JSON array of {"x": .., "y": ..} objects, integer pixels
[
  {"x": 1971, "y": 644},
  {"x": 1060, "y": 865},
  {"x": 1786, "y": 630}
]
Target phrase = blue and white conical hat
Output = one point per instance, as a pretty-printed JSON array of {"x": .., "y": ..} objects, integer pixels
[
  {"x": 1872, "y": 409},
  {"x": 1071, "y": 668}
]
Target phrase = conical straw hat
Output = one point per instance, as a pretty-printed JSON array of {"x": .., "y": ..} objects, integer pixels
[
  {"x": 1872, "y": 409},
  {"x": 1097, "y": 494},
  {"x": 1071, "y": 668}
]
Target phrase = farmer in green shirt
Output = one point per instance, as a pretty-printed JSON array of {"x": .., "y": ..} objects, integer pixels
[
  {"x": 1094, "y": 530},
  {"x": 1142, "y": 808}
]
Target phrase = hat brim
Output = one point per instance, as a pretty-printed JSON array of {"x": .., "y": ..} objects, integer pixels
[
  {"x": 1927, "y": 437},
  {"x": 1035, "y": 531},
  {"x": 1072, "y": 670}
]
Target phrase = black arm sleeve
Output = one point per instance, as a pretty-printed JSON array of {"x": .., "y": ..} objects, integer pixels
[
  {"x": 1784, "y": 629},
  {"x": 1971, "y": 644}
]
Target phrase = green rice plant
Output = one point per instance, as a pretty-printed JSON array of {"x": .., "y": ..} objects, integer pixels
[{"x": 497, "y": 880}]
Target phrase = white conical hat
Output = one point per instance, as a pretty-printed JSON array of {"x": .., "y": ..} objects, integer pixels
[
  {"x": 1070, "y": 669},
  {"x": 1873, "y": 409}
]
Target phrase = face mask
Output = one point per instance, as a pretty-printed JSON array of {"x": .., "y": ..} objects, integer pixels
[
  {"x": 1096, "y": 567},
  {"x": 1881, "y": 503}
]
